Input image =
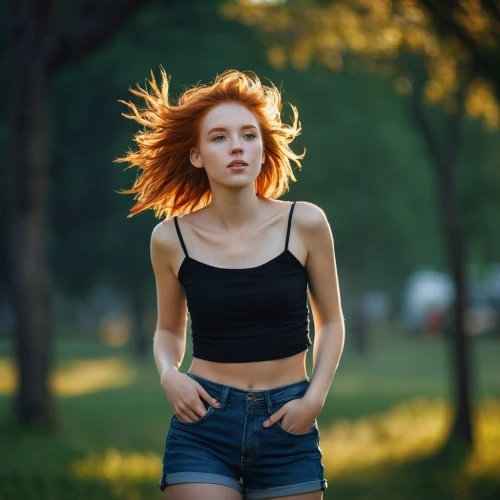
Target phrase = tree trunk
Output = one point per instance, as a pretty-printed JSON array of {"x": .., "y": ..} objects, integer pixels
[
  {"x": 29, "y": 272},
  {"x": 42, "y": 44},
  {"x": 462, "y": 427},
  {"x": 445, "y": 162}
]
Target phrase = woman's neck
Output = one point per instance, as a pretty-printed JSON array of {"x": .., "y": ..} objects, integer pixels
[{"x": 233, "y": 212}]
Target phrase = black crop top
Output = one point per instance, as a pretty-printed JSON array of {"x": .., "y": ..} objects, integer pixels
[{"x": 242, "y": 315}]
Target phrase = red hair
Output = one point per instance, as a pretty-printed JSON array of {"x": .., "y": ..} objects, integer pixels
[{"x": 168, "y": 183}]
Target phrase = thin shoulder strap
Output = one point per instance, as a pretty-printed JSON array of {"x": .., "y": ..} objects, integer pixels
[
  {"x": 289, "y": 225},
  {"x": 180, "y": 236}
]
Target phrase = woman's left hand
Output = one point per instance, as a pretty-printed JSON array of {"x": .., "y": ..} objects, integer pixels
[{"x": 297, "y": 416}]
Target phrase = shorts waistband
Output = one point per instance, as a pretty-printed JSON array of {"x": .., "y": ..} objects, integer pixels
[{"x": 232, "y": 396}]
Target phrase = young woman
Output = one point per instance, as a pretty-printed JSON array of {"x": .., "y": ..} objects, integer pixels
[{"x": 243, "y": 264}]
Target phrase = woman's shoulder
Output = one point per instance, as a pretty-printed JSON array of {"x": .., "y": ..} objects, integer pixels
[
  {"x": 308, "y": 216},
  {"x": 164, "y": 235}
]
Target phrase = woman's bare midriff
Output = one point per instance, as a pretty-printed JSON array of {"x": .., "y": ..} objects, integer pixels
[{"x": 257, "y": 376}]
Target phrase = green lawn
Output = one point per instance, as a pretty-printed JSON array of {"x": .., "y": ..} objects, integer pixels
[{"x": 385, "y": 417}]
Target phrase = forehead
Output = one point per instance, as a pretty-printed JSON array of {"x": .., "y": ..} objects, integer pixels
[{"x": 229, "y": 114}]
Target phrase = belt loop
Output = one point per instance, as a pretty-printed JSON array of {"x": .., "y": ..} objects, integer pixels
[
  {"x": 269, "y": 402},
  {"x": 223, "y": 398}
]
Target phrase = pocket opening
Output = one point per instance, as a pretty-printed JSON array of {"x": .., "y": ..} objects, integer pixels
[
  {"x": 204, "y": 417},
  {"x": 312, "y": 430}
]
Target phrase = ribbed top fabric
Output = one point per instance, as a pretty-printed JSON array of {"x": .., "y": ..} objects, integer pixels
[{"x": 243, "y": 315}]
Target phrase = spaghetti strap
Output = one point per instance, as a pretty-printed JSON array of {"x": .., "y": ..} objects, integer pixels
[
  {"x": 289, "y": 225},
  {"x": 180, "y": 236}
]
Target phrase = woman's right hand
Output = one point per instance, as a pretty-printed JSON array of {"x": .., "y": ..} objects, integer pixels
[{"x": 184, "y": 395}]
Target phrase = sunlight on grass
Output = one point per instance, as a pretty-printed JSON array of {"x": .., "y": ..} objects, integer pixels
[
  {"x": 404, "y": 434},
  {"x": 407, "y": 433},
  {"x": 76, "y": 378},
  {"x": 7, "y": 376},
  {"x": 485, "y": 460},
  {"x": 117, "y": 466}
]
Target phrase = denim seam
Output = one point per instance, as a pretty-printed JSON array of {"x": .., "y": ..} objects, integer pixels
[
  {"x": 166, "y": 444},
  {"x": 292, "y": 489},
  {"x": 299, "y": 395},
  {"x": 253, "y": 450},
  {"x": 223, "y": 399},
  {"x": 201, "y": 477},
  {"x": 243, "y": 440}
]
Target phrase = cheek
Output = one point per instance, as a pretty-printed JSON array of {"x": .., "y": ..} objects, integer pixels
[
  {"x": 214, "y": 158},
  {"x": 256, "y": 148},
  {"x": 212, "y": 151}
]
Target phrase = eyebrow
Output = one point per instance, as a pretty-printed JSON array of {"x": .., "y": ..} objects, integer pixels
[{"x": 223, "y": 129}]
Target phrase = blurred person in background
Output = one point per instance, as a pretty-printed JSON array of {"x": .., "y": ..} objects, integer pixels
[{"x": 242, "y": 263}]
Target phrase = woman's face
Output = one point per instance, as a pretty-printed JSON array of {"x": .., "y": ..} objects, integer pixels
[{"x": 230, "y": 146}]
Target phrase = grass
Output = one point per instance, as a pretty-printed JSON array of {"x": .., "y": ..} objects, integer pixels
[{"x": 383, "y": 424}]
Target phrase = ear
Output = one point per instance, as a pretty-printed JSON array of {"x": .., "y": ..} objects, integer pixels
[{"x": 195, "y": 158}]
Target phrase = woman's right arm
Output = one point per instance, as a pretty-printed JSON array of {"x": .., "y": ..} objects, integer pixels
[{"x": 183, "y": 392}]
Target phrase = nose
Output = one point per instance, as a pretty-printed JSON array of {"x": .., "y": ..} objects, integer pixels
[{"x": 236, "y": 148}]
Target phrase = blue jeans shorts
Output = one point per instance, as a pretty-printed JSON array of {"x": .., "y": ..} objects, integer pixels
[{"x": 229, "y": 446}]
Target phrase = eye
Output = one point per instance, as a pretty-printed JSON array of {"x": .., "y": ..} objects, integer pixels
[
  {"x": 250, "y": 135},
  {"x": 217, "y": 138}
]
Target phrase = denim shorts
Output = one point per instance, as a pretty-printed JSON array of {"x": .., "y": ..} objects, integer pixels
[{"x": 229, "y": 446}]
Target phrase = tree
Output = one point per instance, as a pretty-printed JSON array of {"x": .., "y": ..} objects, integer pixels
[
  {"x": 43, "y": 41},
  {"x": 476, "y": 24},
  {"x": 443, "y": 52}
]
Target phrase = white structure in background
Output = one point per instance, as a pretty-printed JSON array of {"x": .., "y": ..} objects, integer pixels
[
  {"x": 425, "y": 291},
  {"x": 376, "y": 305},
  {"x": 483, "y": 313}
]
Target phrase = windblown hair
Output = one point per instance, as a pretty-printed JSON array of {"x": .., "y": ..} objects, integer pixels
[{"x": 168, "y": 183}]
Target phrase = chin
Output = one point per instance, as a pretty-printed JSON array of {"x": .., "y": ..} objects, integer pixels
[
  {"x": 240, "y": 180},
  {"x": 240, "y": 183}
]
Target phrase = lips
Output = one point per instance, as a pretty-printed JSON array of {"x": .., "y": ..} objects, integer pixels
[{"x": 238, "y": 163}]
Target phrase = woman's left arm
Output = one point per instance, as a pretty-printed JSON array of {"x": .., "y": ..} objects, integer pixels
[{"x": 324, "y": 297}]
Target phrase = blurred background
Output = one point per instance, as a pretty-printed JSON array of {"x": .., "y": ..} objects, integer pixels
[{"x": 399, "y": 103}]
